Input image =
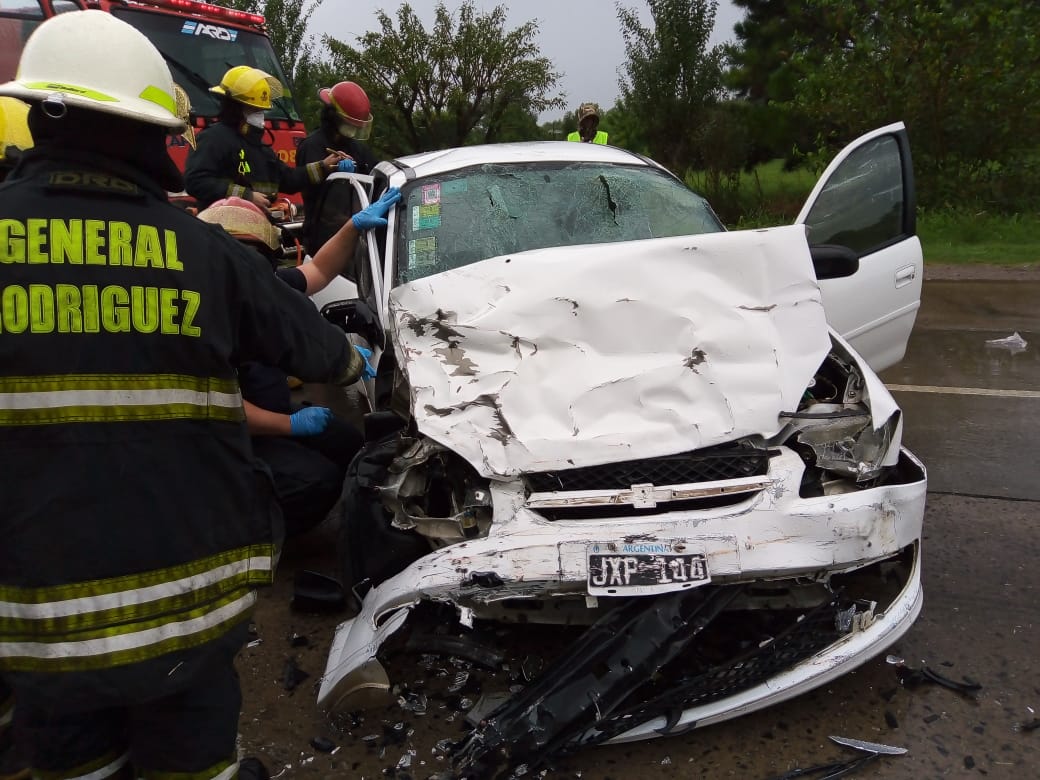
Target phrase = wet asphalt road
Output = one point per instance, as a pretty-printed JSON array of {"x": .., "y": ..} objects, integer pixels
[{"x": 972, "y": 414}]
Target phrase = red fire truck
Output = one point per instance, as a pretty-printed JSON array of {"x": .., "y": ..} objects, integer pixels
[{"x": 200, "y": 41}]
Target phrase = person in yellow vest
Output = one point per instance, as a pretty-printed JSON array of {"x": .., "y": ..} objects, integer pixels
[{"x": 588, "y": 126}]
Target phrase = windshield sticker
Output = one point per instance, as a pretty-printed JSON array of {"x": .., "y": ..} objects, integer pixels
[
  {"x": 454, "y": 186},
  {"x": 422, "y": 253},
  {"x": 210, "y": 30},
  {"x": 426, "y": 217},
  {"x": 431, "y": 194}
]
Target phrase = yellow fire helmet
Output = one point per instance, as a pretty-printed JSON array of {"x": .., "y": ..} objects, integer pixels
[
  {"x": 14, "y": 125},
  {"x": 242, "y": 219},
  {"x": 250, "y": 86}
]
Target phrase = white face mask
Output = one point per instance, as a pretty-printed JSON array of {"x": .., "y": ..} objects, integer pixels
[{"x": 255, "y": 118}]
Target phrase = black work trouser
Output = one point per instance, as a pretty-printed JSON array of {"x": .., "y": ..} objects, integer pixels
[
  {"x": 308, "y": 471},
  {"x": 12, "y": 758},
  {"x": 193, "y": 731}
]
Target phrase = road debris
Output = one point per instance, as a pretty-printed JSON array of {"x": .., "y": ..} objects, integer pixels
[
  {"x": 292, "y": 675},
  {"x": 871, "y": 752},
  {"x": 1014, "y": 343},
  {"x": 912, "y": 678},
  {"x": 323, "y": 745}
]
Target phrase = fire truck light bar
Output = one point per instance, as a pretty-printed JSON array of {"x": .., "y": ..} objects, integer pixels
[{"x": 207, "y": 9}]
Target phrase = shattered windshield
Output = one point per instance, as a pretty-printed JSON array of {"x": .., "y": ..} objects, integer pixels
[{"x": 475, "y": 213}]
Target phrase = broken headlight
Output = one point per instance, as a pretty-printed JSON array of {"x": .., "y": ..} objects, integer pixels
[
  {"x": 834, "y": 429},
  {"x": 435, "y": 492},
  {"x": 844, "y": 440}
]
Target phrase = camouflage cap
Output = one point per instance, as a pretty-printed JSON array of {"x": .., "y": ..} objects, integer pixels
[{"x": 588, "y": 109}]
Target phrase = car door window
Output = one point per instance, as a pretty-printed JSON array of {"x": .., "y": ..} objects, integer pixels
[{"x": 862, "y": 204}]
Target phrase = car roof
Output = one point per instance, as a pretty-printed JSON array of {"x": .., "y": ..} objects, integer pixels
[{"x": 444, "y": 160}]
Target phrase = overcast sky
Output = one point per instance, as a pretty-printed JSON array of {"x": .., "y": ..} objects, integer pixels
[{"x": 581, "y": 37}]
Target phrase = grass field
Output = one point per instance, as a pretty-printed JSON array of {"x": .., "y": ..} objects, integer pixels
[
  {"x": 771, "y": 196},
  {"x": 979, "y": 237}
]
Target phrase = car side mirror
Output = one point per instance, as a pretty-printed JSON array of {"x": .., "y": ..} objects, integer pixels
[
  {"x": 833, "y": 261},
  {"x": 355, "y": 316}
]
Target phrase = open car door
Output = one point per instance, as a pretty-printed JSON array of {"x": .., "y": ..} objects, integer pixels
[
  {"x": 865, "y": 202},
  {"x": 343, "y": 195}
]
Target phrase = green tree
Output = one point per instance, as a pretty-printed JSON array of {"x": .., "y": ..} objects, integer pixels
[
  {"x": 671, "y": 79},
  {"x": 763, "y": 71},
  {"x": 964, "y": 76},
  {"x": 313, "y": 74},
  {"x": 466, "y": 80}
]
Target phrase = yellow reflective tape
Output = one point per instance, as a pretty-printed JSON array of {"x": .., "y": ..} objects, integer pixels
[
  {"x": 114, "y": 414},
  {"x": 128, "y": 582},
  {"x": 125, "y": 622},
  {"x": 54, "y": 86},
  {"x": 97, "y": 769},
  {"x": 49, "y": 382},
  {"x": 126, "y": 648},
  {"x": 160, "y": 97},
  {"x": 215, "y": 772},
  {"x": 64, "y": 399},
  {"x": 132, "y": 616}
]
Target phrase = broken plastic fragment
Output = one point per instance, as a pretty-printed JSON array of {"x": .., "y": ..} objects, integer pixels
[
  {"x": 466, "y": 617},
  {"x": 912, "y": 678},
  {"x": 1015, "y": 343},
  {"x": 292, "y": 675},
  {"x": 444, "y": 745},
  {"x": 459, "y": 682},
  {"x": 486, "y": 704},
  {"x": 413, "y": 702},
  {"x": 323, "y": 745},
  {"x": 455, "y": 646},
  {"x": 406, "y": 760},
  {"x": 869, "y": 747}
]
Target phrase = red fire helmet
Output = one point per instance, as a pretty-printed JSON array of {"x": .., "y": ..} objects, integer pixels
[{"x": 352, "y": 106}]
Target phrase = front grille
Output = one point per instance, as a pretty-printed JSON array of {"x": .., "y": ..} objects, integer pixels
[{"x": 707, "y": 465}]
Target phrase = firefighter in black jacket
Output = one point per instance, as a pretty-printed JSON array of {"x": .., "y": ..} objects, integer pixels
[
  {"x": 231, "y": 158},
  {"x": 136, "y": 525},
  {"x": 346, "y": 122}
]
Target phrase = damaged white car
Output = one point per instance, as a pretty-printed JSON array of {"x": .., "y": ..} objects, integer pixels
[{"x": 597, "y": 410}]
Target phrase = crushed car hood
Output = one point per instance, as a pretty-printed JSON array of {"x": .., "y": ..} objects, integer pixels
[{"x": 567, "y": 357}]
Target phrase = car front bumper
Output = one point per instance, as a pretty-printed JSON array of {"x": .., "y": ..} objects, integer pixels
[{"x": 774, "y": 535}]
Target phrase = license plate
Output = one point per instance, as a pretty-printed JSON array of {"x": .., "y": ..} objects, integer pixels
[{"x": 637, "y": 573}]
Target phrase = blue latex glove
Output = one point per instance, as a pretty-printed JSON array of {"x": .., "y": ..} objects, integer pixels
[
  {"x": 309, "y": 421},
  {"x": 368, "y": 372},
  {"x": 374, "y": 215},
  {"x": 346, "y": 166}
]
